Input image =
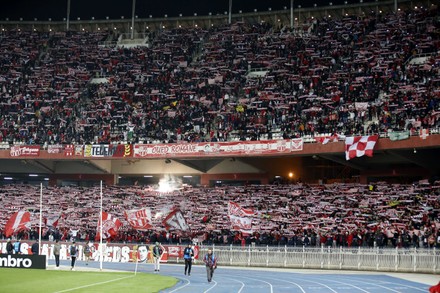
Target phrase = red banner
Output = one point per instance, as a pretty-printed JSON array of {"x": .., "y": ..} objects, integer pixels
[
  {"x": 69, "y": 150},
  {"x": 25, "y": 151},
  {"x": 218, "y": 149}
]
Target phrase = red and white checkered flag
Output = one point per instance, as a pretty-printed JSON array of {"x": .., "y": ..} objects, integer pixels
[{"x": 358, "y": 146}]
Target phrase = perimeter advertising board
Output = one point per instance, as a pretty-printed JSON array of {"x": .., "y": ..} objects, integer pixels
[
  {"x": 112, "y": 252},
  {"x": 21, "y": 261}
]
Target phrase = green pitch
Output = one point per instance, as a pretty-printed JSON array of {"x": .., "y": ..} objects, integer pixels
[{"x": 27, "y": 280}]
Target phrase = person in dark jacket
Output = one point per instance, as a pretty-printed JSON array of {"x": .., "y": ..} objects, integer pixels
[
  {"x": 35, "y": 248},
  {"x": 9, "y": 247},
  {"x": 188, "y": 256},
  {"x": 157, "y": 255},
  {"x": 73, "y": 251}
]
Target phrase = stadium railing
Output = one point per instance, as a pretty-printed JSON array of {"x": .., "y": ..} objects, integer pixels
[{"x": 415, "y": 260}]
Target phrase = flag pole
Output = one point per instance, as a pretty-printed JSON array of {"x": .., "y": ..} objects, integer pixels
[
  {"x": 101, "y": 256},
  {"x": 136, "y": 267},
  {"x": 41, "y": 218}
]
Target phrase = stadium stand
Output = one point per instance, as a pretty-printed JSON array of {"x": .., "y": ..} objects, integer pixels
[
  {"x": 366, "y": 75},
  {"x": 353, "y": 76},
  {"x": 348, "y": 215}
]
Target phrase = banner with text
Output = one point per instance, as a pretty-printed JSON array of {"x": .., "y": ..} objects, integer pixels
[
  {"x": 218, "y": 149},
  {"x": 112, "y": 252},
  {"x": 25, "y": 151},
  {"x": 108, "y": 150}
]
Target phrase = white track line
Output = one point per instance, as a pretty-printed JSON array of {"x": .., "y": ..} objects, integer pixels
[
  {"x": 270, "y": 284},
  {"x": 94, "y": 284},
  {"x": 211, "y": 287},
  {"x": 299, "y": 286},
  {"x": 394, "y": 283},
  {"x": 347, "y": 284},
  {"x": 183, "y": 286},
  {"x": 242, "y": 286},
  {"x": 375, "y": 284}
]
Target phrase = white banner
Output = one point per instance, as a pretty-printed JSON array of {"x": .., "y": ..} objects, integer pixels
[{"x": 219, "y": 149}]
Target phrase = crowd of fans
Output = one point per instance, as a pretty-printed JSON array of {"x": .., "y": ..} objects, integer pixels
[
  {"x": 335, "y": 215},
  {"x": 352, "y": 76}
]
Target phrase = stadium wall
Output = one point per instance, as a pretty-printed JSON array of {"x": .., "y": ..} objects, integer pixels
[{"x": 314, "y": 162}]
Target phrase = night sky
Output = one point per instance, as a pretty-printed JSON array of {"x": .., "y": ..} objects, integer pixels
[{"x": 85, "y": 9}]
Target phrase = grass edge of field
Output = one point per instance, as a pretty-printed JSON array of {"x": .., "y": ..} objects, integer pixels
[{"x": 33, "y": 280}]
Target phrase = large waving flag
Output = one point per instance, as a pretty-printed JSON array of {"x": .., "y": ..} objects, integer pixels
[
  {"x": 327, "y": 139},
  {"x": 139, "y": 219},
  {"x": 52, "y": 220},
  {"x": 358, "y": 146},
  {"x": 19, "y": 221},
  {"x": 175, "y": 220},
  {"x": 110, "y": 226},
  {"x": 241, "y": 218}
]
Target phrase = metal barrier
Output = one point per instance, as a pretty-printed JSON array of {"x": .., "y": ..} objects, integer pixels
[{"x": 360, "y": 258}]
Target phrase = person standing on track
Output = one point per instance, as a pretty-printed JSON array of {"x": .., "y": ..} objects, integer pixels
[
  {"x": 157, "y": 255},
  {"x": 73, "y": 254},
  {"x": 210, "y": 261},
  {"x": 17, "y": 246},
  {"x": 88, "y": 251},
  {"x": 188, "y": 256},
  {"x": 9, "y": 247},
  {"x": 56, "y": 253}
]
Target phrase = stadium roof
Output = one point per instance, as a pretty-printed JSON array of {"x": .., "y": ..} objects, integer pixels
[{"x": 114, "y": 9}]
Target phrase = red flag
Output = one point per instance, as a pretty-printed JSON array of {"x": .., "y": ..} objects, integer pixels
[
  {"x": 52, "y": 221},
  {"x": 175, "y": 220},
  {"x": 359, "y": 146},
  {"x": 18, "y": 222},
  {"x": 139, "y": 219},
  {"x": 110, "y": 226},
  {"x": 327, "y": 139}
]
